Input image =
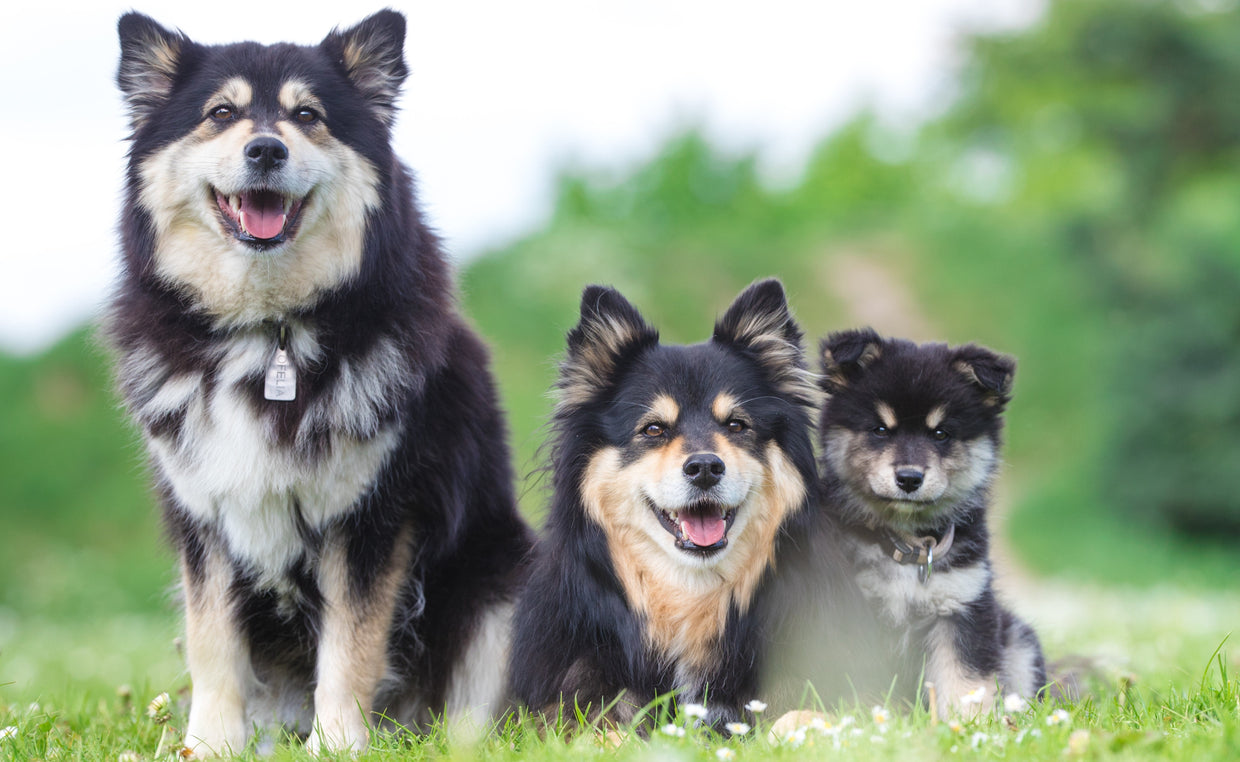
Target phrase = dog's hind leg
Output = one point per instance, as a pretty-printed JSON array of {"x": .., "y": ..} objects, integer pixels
[
  {"x": 476, "y": 692},
  {"x": 354, "y": 630},
  {"x": 218, "y": 657}
]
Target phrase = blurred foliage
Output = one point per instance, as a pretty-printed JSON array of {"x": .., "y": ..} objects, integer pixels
[{"x": 1076, "y": 205}]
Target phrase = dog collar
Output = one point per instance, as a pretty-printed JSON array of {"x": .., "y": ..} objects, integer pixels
[{"x": 907, "y": 550}]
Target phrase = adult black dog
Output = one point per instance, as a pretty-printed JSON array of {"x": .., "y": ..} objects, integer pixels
[{"x": 322, "y": 424}]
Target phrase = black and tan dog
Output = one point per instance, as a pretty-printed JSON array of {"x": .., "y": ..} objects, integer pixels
[
  {"x": 910, "y": 445},
  {"x": 322, "y": 425},
  {"x": 675, "y": 468}
]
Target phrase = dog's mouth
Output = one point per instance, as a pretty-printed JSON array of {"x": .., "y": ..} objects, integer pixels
[
  {"x": 698, "y": 528},
  {"x": 260, "y": 219}
]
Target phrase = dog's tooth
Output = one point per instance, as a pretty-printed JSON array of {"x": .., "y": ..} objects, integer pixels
[
  {"x": 235, "y": 203},
  {"x": 288, "y": 204}
]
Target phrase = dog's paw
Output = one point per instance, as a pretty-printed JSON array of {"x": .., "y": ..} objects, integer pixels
[{"x": 338, "y": 736}]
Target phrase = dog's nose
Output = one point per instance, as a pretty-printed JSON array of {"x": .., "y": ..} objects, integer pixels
[
  {"x": 909, "y": 479},
  {"x": 266, "y": 153},
  {"x": 704, "y": 469}
]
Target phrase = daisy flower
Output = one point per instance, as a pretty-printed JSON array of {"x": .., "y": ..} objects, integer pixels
[
  {"x": 725, "y": 754},
  {"x": 756, "y": 706},
  {"x": 694, "y": 710},
  {"x": 737, "y": 728},
  {"x": 675, "y": 731},
  {"x": 880, "y": 718},
  {"x": 1058, "y": 717},
  {"x": 974, "y": 697},
  {"x": 1015, "y": 703},
  {"x": 159, "y": 708},
  {"x": 9, "y": 732}
]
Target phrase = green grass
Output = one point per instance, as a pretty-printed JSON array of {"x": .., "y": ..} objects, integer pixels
[{"x": 1158, "y": 686}]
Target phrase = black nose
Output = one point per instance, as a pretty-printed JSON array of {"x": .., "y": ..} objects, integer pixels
[
  {"x": 266, "y": 153},
  {"x": 909, "y": 479},
  {"x": 704, "y": 469}
]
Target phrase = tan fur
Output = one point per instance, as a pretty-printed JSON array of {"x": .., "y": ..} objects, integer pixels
[
  {"x": 296, "y": 94},
  {"x": 352, "y": 653},
  {"x": 219, "y": 660},
  {"x": 591, "y": 367},
  {"x": 724, "y": 407},
  {"x": 155, "y": 76},
  {"x": 936, "y": 417},
  {"x": 228, "y": 280},
  {"x": 952, "y": 679},
  {"x": 886, "y": 415},
  {"x": 685, "y": 602},
  {"x": 235, "y": 92},
  {"x": 663, "y": 410},
  {"x": 369, "y": 71}
]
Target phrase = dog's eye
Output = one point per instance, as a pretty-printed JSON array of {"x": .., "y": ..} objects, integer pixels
[
  {"x": 306, "y": 115},
  {"x": 881, "y": 431},
  {"x": 940, "y": 435},
  {"x": 653, "y": 430},
  {"x": 735, "y": 426},
  {"x": 222, "y": 113}
]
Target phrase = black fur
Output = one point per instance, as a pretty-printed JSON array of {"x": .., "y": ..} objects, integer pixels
[
  {"x": 578, "y": 638},
  {"x": 445, "y": 487}
]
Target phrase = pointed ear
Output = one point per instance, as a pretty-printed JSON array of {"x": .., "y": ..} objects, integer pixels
[
  {"x": 991, "y": 372},
  {"x": 845, "y": 354},
  {"x": 373, "y": 56},
  {"x": 609, "y": 330},
  {"x": 759, "y": 322},
  {"x": 150, "y": 57}
]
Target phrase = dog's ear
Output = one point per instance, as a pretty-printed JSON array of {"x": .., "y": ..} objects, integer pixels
[
  {"x": 150, "y": 57},
  {"x": 845, "y": 354},
  {"x": 609, "y": 330},
  {"x": 759, "y": 323},
  {"x": 373, "y": 56},
  {"x": 991, "y": 372}
]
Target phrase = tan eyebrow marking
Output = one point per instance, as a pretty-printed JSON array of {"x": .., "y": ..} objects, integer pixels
[
  {"x": 886, "y": 415},
  {"x": 297, "y": 94},
  {"x": 664, "y": 409},
  {"x": 236, "y": 91},
  {"x": 936, "y": 417},
  {"x": 724, "y": 407}
]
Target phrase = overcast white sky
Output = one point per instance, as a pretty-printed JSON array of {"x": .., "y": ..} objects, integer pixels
[{"x": 500, "y": 94}]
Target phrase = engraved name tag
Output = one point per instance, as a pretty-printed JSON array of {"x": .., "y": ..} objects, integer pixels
[{"x": 281, "y": 378}]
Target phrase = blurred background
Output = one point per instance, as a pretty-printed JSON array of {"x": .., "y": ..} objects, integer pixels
[{"x": 1059, "y": 181}]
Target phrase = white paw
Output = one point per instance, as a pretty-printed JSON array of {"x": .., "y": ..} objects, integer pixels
[{"x": 339, "y": 736}]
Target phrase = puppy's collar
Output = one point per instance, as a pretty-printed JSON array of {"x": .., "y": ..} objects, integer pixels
[{"x": 908, "y": 550}]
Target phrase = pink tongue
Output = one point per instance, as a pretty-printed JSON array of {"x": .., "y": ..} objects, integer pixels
[
  {"x": 703, "y": 530},
  {"x": 262, "y": 214}
]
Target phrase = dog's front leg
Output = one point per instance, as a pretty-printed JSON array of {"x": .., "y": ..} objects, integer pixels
[
  {"x": 218, "y": 657},
  {"x": 353, "y": 641}
]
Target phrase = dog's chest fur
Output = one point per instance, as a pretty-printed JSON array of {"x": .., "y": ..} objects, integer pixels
[
  {"x": 227, "y": 465},
  {"x": 902, "y": 598}
]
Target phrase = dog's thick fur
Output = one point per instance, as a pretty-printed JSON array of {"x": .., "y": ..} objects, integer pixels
[
  {"x": 910, "y": 444},
  {"x": 675, "y": 468},
  {"x": 354, "y": 549}
]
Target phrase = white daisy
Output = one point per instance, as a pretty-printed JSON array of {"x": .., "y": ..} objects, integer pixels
[
  {"x": 1014, "y": 703},
  {"x": 880, "y": 718},
  {"x": 1058, "y": 717},
  {"x": 694, "y": 710},
  {"x": 978, "y": 739},
  {"x": 9, "y": 732},
  {"x": 675, "y": 731},
  {"x": 159, "y": 708},
  {"x": 737, "y": 728},
  {"x": 974, "y": 697},
  {"x": 725, "y": 754},
  {"x": 756, "y": 706}
]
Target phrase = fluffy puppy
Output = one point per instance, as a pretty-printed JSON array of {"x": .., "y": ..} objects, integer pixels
[
  {"x": 910, "y": 440},
  {"x": 674, "y": 469}
]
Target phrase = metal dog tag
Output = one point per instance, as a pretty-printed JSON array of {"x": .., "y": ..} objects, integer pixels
[{"x": 281, "y": 377}]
